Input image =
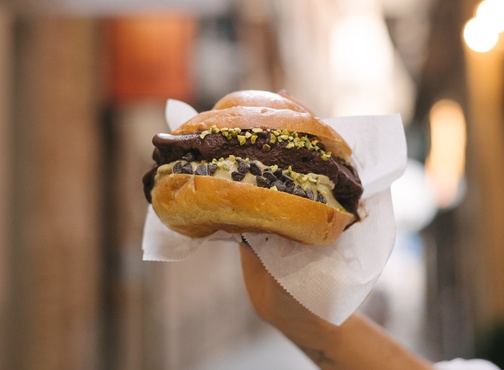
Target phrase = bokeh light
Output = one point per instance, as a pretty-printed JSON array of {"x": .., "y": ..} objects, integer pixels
[{"x": 479, "y": 35}]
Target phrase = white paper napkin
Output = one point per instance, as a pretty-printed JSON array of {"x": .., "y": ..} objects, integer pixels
[{"x": 331, "y": 281}]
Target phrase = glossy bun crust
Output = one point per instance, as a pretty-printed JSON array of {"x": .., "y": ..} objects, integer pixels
[
  {"x": 197, "y": 206},
  {"x": 257, "y": 98}
]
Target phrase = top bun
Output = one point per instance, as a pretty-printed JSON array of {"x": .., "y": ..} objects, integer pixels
[
  {"x": 258, "y": 98},
  {"x": 251, "y": 109}
]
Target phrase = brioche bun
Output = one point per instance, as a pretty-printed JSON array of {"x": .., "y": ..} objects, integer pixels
[
  {"x": 257, "y": 98},
  {"x": 198, "y": 206}
]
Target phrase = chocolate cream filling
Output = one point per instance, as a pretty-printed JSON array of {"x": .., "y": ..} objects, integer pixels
[{"x": 259, "y": 146}]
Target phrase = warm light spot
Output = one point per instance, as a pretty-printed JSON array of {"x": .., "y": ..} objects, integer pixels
[
  {"x": 446, "y": 160},
  {"x": 492, "y": 12},
  {"x": 479, "y": 35}
]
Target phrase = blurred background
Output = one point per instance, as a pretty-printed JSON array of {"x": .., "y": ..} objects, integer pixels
[{"x": 83, "y": 85}]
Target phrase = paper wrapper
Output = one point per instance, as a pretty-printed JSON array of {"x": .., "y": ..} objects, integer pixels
[{"x": 330, "y": 281}]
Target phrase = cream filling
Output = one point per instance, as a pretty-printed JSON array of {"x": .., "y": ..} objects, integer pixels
[{"x": 225, "y": 167}]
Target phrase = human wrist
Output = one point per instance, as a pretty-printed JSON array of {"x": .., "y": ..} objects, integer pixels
[{"x": 305, "y": 329}]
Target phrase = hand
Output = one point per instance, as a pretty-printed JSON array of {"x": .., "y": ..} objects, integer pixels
[
  {"x": 358, "y": 344},
  {"x": 270, "y": 301}
]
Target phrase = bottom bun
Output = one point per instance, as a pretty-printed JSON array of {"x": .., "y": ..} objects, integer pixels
[{"x": 197, "y": 206}]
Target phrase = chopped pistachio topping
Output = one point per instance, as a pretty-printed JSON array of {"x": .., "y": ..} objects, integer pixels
[
  {"x": 302, "y": 178},
  {"x": 241, "y": 139},
  {"x": 292, "y": 138},
  {"x": 326, "y": 156},
  {"x": 313, "y": 179}
]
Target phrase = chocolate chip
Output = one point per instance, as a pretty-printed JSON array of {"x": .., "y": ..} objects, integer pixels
[
  {"x": 279, "y": 185},
  {"x": 269, "y": 175},
  {"x": 187, "y": 168},
  {"x": 286, "y": 178},
  {"x": 321, "y": 198},
  {"x": 254, "y": 169},
  {"x": 201, "y": 170},
  {"x": 262, "y": 182},
  {"x": 237, "y": 176},
  {"x": 212, "y": 168},
  {"x": 243, "y": 167},
  {"x": 289, "y": 187},
  {"x": 177, "y": 167},
  {"x": 189, "y": 157},
  {"x": 279, "y": 173},
  {"x": 309, "y": 194},
  {"x": 299, "y": 192}
]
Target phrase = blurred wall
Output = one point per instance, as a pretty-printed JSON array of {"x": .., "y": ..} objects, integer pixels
[
  {"x": 5, "y": 172},
  {"x": 54, "y": 260}
]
